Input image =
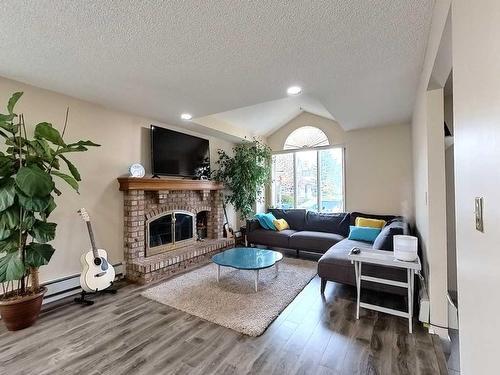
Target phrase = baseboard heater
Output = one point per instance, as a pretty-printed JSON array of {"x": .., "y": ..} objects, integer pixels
[{"x": 70, "y": 285}]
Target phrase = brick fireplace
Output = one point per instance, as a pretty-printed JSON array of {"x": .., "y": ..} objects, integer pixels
[{"x": 170, "y": 226}]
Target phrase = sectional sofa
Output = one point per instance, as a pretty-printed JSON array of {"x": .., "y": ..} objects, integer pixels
[{"x": 326, "y": 233}]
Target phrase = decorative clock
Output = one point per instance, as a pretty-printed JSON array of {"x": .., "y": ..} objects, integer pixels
[{"x": 136, "y": 170}]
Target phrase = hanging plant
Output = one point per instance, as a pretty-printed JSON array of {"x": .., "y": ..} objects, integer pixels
[
  {"x": 244, "y": 174},
  {"x": 29, "y": 170}
]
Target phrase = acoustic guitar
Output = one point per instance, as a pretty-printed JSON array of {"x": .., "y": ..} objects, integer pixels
[
  {"x": 97, "y": 273},
  {"x": 228, "y": 232}
]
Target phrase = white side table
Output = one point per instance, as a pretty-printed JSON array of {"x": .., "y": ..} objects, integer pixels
[{"x": 385, "y": 258}]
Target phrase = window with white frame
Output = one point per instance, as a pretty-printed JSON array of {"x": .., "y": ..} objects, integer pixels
[
  {"x": 308, "y": 173},
  {"x": 306, "y": 137}
]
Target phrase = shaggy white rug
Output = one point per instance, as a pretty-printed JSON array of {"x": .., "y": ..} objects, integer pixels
[{"x": 233, "y": 302}]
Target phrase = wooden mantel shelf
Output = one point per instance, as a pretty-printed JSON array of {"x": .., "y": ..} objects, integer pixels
[{"x": 157, "y": 184}]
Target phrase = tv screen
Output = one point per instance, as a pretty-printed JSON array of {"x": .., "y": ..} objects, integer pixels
[{"x": 179, "y": 154}]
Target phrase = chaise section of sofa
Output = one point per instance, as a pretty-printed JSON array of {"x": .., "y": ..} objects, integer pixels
[{"x": 335, "y": 265}]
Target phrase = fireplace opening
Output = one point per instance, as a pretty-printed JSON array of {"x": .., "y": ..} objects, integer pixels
[
  {"x": 170, "y": 231},
  {"x": 202, "y": 225}
]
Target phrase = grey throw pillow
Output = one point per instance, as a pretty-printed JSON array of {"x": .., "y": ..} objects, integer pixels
[{"x": 385, "y": 239}]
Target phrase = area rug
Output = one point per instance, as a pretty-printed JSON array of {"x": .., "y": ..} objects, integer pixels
[{"x": 232, "y": 302}]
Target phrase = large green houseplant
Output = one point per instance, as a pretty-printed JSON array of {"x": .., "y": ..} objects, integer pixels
[
  {"x": 29, "y": 167},
  {"x": 244, "y": 174}
]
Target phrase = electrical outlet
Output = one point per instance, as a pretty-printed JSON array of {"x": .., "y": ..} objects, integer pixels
[{"x": 478, "y": 210}]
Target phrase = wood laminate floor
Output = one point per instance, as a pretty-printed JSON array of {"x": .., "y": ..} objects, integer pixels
[{"x": 129, "y": 334}]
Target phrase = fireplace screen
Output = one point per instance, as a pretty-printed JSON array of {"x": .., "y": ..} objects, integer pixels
[
  {"x": 160, "y": 231},
  {"x": 183, "y": 227},
  {"x": 169, "y": 231}
]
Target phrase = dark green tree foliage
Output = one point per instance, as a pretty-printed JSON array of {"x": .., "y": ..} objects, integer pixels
[
  {"x": 244, "y": 174},
  {"x": 29, "y": 169}
]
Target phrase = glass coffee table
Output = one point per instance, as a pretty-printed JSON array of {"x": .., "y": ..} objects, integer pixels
[{"x": 247, "y": 258}]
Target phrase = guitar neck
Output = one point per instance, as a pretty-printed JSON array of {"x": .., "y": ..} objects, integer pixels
[
  {"x": 225, "y": 213},
  {"x": 92, "y": 240}
]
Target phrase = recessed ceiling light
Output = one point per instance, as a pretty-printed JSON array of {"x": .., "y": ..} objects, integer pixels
[
  {"x": 186, "y": 116},
  {"x": 294, "y": 90}
]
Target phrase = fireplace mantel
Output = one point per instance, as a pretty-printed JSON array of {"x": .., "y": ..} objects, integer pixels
[{"x": 157, "y": 184}]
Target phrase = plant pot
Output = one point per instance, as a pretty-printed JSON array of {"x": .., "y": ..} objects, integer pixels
[{"x": 23, "y": 312}]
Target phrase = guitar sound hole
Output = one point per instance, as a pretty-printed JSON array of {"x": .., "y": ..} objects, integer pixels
[{"x": 97, "y": 261}]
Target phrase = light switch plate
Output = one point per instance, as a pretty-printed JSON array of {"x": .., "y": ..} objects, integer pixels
[{"x": 478, "y": 210}]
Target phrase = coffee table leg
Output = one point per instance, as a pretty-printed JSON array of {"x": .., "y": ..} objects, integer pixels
[
  {"x": 256, "y": 279},
  {"x": 218, "y": 273}
]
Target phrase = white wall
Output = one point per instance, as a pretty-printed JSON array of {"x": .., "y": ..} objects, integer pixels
[
  {"x": 429, "y": 166},
  {"x": 379, "y": 170},
  {"x": 377, "y": 162},
  {"x": 476, "y": 96},
  {"x": 436, "y": 242},
  {"x": 124, "y": 139},
  {"x": 451, "y": 233}
]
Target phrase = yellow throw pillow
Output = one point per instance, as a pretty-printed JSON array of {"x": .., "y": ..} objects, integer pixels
[
  {"x": 281, "y": 224},
  {"x": 372, "y": 223}
]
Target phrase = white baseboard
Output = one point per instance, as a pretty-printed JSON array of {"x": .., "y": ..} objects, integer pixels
[
  {"x": 424, "y": 303},
  {"x": 440, "y": 331},
  {"x": 70, "y": 285},
  {"x": 424, "y": 313},
  {"x": 452, "y": 314}
]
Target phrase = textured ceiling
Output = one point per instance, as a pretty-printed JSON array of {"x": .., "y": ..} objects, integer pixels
[{"x": 360, "y": 59}]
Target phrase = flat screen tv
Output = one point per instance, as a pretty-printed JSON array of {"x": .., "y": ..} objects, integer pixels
[{"x": 179, "y": 154}]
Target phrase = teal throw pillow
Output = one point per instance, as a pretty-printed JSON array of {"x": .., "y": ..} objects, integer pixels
[
  {"x": 269, "y": 220},
  {"x": 263, "y": 221},
  {"x": 366, "y": 234}
]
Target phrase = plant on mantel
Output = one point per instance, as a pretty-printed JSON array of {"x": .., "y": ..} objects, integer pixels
[
  {"x": 244, "y": 174},
  {"x": 29, "y": 168}
]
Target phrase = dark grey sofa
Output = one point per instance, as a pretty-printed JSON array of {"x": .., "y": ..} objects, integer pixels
[{"x": 327, "y": 234}]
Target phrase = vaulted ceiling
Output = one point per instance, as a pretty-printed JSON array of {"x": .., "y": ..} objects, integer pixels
[{"x": 357, "y": 61}]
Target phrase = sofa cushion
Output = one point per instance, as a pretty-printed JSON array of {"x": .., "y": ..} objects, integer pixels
[
  {"x": 386, "y": 218},
  {"x": 314, "y": 241},
  {"x": 337, "y": 223},
  {"x": 295, "y": 217},
  {"x": 338, "y": 254},
  {"x": 270, "y": 238},
  {"x": 385, "y": 240}
]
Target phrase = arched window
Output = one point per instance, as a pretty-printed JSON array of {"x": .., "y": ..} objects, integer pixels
[
  {"x": 308, "y": 173},
  {"x": 306, "y": 137}
]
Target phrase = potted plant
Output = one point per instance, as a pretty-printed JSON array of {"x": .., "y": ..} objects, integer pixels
[
  {"x": 244, "y": 174},
  {"x": 28, "y": 168}
]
